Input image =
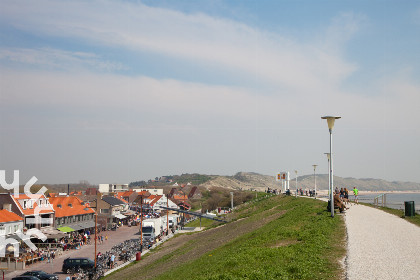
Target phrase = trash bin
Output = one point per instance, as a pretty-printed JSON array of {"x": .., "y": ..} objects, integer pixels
[
  {"x": 409, "y": 208},
  {"x": 138, "y": 256}
]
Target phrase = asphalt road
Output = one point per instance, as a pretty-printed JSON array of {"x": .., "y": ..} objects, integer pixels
[{"x": 114, "y": 237}]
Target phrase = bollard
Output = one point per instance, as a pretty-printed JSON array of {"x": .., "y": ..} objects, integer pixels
[{"x": 138, "y": 256}]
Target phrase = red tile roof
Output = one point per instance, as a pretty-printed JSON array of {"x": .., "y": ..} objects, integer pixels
[
  {"x": 144, "y": 193},
  {"x": 46, "y": 208},
  {"x": 76, "y": 206},
  {"x": 7, "y": 216},
  {"x": 155, "y": 199},
  {"x": 181, "y": 197},
  {"x": 127, "y": 193},
  {"x": 122, "y": 199}
]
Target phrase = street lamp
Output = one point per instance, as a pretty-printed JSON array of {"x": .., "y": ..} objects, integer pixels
[
  {"x": 296, "y": 183},
  {"x": 330, "y": 121},
  {"x": 315, "y": 165},
  {"x": 328, "y": 167}
]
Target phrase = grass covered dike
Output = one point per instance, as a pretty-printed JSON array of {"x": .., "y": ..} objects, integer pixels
[{"x": 274, "y": 238}]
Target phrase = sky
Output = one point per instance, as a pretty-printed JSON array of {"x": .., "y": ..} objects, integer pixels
[{"x": 120, "y": 91}]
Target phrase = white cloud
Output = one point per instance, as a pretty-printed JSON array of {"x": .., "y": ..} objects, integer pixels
[
  {"x": 195, "y": 37},
  {"x": 57, "y": 59}
]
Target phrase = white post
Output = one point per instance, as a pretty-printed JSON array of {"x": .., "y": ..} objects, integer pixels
[
  {"x": 296, "y": 183},
  {"x": 332, "y": 176},
  {"x": 315, "y": 179}
]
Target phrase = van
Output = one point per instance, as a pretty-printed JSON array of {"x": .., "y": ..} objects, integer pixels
[{"x": 71, "y": 264}]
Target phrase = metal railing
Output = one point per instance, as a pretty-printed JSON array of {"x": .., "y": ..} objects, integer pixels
[{"x": 381, "y": 197}]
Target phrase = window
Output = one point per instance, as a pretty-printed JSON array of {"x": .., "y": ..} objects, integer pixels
[
  {"x": 9, "y": 229},
  {"x": 16, "y": 228},
  {"x": 25, "y": 202},
  {"x": 74, "y": 218}
]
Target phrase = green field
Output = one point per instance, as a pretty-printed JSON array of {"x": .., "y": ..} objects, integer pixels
[{"x": 274, "y": 238}]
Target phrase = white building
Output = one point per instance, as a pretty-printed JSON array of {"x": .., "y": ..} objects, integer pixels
[
  {"x": 112, "y": 188},
  {"x": 151, "y": 191},
  {"x": 10, "y": 223}
]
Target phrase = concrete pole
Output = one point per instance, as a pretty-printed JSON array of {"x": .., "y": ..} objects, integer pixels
[
  {"x": 231, "y": 200},
  {"x": 315, "y": 179},
  {"x": 332, "y": 176}
]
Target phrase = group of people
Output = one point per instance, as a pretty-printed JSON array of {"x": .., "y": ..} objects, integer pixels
[{"x": 341, "y": 198}]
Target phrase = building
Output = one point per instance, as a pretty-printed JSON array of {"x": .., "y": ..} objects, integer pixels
[
  {"x": 113, "y": 188},
  {"x": 36, "y": 212},
  {"x": 109, "y": 210},
  {"x": 156, "y": 201},
  {"x": 129, "y": 196},
  {"x": 91, "y": 191},
  {"x": 10, "y": 223},
  {"x": 151, "y": 191},
  {"x": 72, "y": 214}
]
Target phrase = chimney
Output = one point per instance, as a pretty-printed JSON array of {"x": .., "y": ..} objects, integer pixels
[
  {"x": 68, "y": 189},
  {"x": 8, "y": 207}
]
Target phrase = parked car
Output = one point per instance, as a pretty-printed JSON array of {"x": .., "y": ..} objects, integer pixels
[
  {"x": 70, "y": 264},
  {"x": 41, "y": 275},
  {"x": 27, "y": 277}
]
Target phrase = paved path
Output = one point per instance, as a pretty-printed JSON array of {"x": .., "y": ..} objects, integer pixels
[
  {"x": 381, "y": 245},
  {"x": 114, "y": 237}
]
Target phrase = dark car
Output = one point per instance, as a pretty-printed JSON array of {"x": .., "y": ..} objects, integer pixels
[
  {"x": 25, "y": 278},
  {"x": 41, "y": 275},
  {"x": 70, "y": 264}
]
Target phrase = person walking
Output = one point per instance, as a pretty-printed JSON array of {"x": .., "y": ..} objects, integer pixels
[
  {"x": 112, "y": 260},
  {"x": 356, "y": 195}
]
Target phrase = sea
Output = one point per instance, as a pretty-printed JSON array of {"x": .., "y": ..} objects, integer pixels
[{"x": 393, "y": 200}]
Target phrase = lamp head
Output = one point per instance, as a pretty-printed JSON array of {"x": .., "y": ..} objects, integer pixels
[
  {"x": 315, "y": 165},
  {"x": 330, "y": 121},
  {"x": 328, "y": 155}
]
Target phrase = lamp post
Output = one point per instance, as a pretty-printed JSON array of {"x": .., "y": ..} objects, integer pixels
[
  {"x": 328, "y": 168},
  {"x": 315, "y": 165},
  {"x": 96, "y": 223},
  {"x": 330, "y": 122},
  {"x": 296, "y": 183}
]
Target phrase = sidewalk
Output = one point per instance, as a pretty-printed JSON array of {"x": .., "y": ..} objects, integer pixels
[
  {"x": 381, "y": 245},
  {"x": 114, "y": 237}
]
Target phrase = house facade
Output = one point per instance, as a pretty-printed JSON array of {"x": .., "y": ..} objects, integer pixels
[
  {"x": 109, "y": 210},
  {"x": 73, "y": 213},
  {"x": 36, "y": 210},
  {"x": 10, "y": 223},
  {"x": 113, "y": 188}
]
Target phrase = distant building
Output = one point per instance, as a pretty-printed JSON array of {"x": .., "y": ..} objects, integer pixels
[
  {"x": 129, "y": 196},
  {"x": 91, "y": 191},
  {"x": 109, "y": 210},
  {"x": 113, "y": 188},
  {"x": 152, "y": 191}
]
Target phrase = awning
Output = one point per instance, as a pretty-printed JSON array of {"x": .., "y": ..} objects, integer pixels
[
  {"x": 77, "y": 226},
  {"x": 120, "y": 216},
  {"x": 90, "y": 224},
  {"x": 53, "y": 233},
  {"x": 129, "y": 213},
  {"x": 65, "y": 229}
]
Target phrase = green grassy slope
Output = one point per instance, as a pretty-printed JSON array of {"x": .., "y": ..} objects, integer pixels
[{"x": 275, "y": 238}]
